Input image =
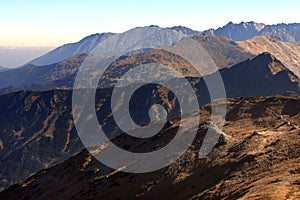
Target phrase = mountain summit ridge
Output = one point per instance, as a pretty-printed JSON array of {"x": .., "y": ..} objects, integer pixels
[
  {"x": 246, "y": 30},
  {"x": 236, "y": 32},
  {"x": 88, "y": 43}
]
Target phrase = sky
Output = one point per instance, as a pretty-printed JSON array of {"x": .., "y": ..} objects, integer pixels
[
  {"x": 17, "y": 56},
  {"x": 29, "y": 28},
  {"x": 45, "y": 23}
]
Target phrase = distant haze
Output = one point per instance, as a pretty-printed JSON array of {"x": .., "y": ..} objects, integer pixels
[{"x": 17, "y": 56}]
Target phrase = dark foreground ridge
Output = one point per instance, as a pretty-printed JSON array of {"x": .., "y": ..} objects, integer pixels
[{"x": 257, "y": 156}]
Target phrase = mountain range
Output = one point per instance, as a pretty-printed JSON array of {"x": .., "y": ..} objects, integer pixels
[
  {"x": 224, "y": 52},
  {"x": 257, "y": 154},
  {"x": 87, "y": 44},
  {"x": 235, "y": 32},
  {"x": 248, "y": 30}
]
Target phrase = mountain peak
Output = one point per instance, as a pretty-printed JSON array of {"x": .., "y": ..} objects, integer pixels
[
  {"x": 147, "y": 27},
  {"x": 266, "y": 59},
  {"x": 96, "y": 35},
  {"x": 281, "y": 50},
  {"x": 184, "y": 30},
  {"x": 265, "y": 65},
  {"x": 273, "y": 64},
  {"x": 266, "y": 55},
  {"x": 246, "y": 30},
  {"x": 154, "y": 26}
]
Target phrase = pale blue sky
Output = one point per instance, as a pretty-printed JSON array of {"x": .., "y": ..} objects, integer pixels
[{"x": 55, "y": 22}]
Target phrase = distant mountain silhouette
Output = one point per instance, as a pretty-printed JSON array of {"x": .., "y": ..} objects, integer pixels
[
  {"x": 236, "y": 32},
  {"x": 88, "y": 43},
  {"x": 247, "y": 30}
]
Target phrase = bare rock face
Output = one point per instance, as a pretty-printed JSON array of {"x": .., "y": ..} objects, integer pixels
[{"x": 247, "y": 30}]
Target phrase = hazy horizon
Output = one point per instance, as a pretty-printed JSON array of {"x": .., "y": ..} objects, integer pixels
[
  {"x": 39, "y": 26},
  {"x": 17, "y": 56}
]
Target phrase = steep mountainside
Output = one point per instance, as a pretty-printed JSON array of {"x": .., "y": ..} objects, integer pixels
[
  {"x": 223, "y": 51},
  {"x": 257, "y": 157},
  {"x": 263, "y": 74},
  {"x": 287, "y": 52},
  {"x": 247, "y": 30},
  {"x": 36, "y": 132},
  {"x": 39, "y": 125}
]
